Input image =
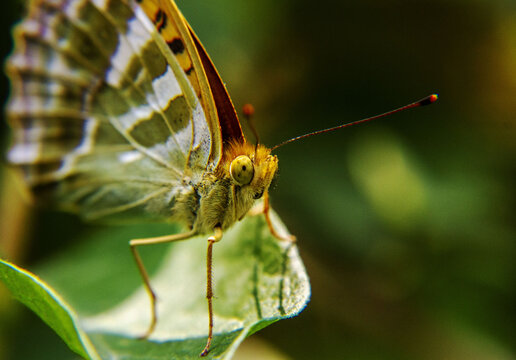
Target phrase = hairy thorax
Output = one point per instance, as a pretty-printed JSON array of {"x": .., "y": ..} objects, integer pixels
[{"x": 225, "y": 196}]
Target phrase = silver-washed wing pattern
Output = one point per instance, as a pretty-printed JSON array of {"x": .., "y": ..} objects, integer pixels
[{"x": 106, "y": 112}]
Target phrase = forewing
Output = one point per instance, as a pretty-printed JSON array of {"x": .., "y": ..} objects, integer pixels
[
  {"x": 195, "y": 62},
  {"x": 103, "y": 114},
  {"x": 174, "y": 30},
  {"x": 230, "y": 128}
]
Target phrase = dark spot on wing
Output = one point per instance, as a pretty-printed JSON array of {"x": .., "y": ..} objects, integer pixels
[
  {"x": 161, "y": 21},
  {"x": 176, "y": 46},
  {"x": 159, "y": 16}
]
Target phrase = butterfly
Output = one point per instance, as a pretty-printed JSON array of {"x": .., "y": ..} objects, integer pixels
[{"x": 117, "y": 112}]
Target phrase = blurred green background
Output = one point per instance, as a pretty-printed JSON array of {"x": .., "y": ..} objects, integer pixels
[{"x": 407, "y": 225}]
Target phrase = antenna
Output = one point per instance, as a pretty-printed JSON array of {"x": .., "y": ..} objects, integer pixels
[
  {"x": 248, "y": 111},
  {"x": 424, "y": 101}
]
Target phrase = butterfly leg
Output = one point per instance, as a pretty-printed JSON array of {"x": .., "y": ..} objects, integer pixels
[
  {"x": 143, "y": 272},
  {"x": 209, "y": 286},
  {"x": 266, "y": 213}
]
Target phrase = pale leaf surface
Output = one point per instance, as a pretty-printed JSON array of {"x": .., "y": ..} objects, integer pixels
[{"x": 258, "y": 280}]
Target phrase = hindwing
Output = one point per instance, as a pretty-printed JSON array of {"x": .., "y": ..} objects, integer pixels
[{"x": 109, "y": 111}]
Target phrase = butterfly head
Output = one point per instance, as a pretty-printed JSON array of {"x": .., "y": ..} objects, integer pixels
[{"x": 251, "y": 169}]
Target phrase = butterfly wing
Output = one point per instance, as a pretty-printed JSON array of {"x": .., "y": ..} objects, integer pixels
[
  {"x": 199, "y": 68},
  {"x": 228, "y": 123},
  {"x": 110, "y": 107}
]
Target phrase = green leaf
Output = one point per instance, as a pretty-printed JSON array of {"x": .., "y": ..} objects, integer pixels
[
  {"x": 48, "y": 305},
  {"x": 257, "y": 281}
]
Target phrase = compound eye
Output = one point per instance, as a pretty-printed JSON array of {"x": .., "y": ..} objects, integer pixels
[{"x": 242, "y": 170}]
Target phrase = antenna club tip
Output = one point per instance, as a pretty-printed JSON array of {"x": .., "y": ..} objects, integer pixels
[
  {"x": 430, "y": 99},
  {"x": 248, "y": 110}
]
